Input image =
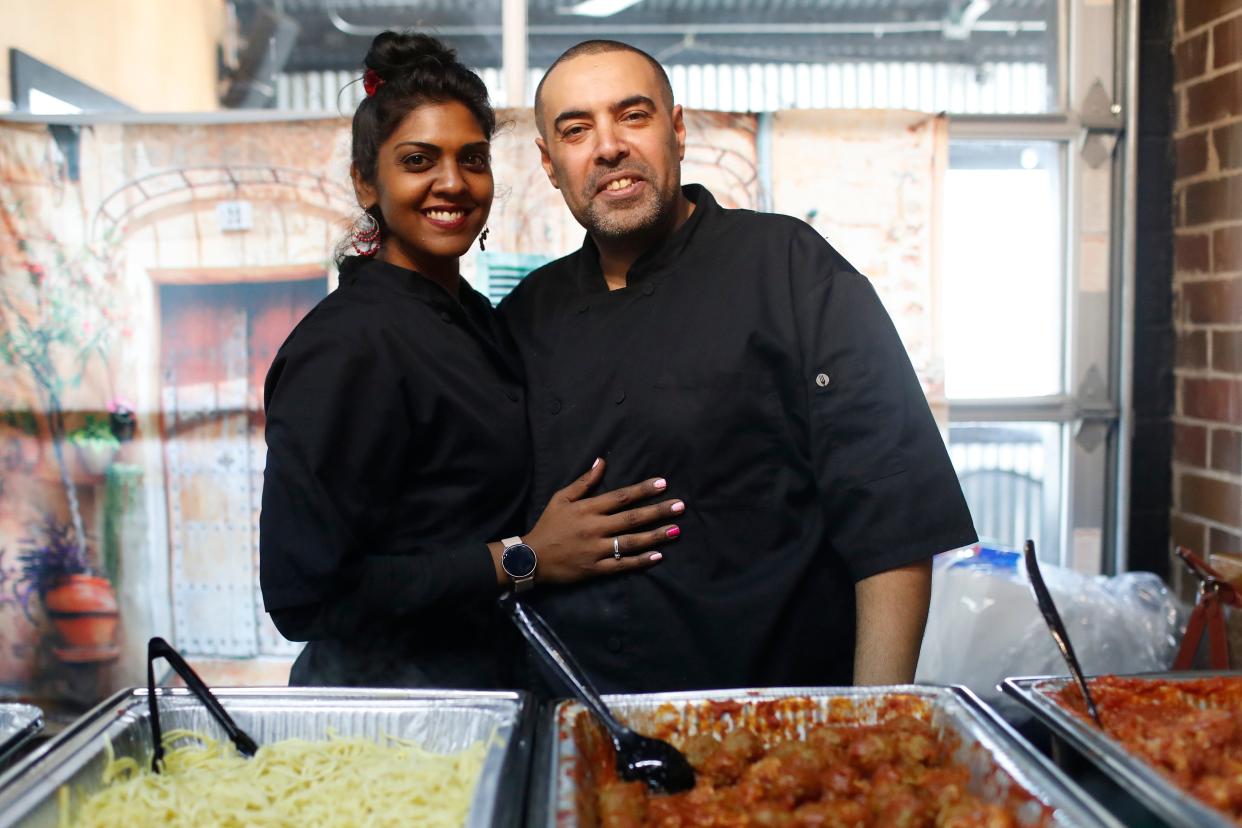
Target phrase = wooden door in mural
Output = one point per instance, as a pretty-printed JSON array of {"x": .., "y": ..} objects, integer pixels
[{"x": 216, "y": 343}]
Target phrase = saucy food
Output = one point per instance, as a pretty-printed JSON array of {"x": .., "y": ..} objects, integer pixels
[
  {"x": 295, "y": 783},
  {"x": 1191, "y": 731},
  {"x": 898, "y": 772}
]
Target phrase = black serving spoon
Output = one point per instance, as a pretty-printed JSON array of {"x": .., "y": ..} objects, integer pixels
[
  {"x": 662, "y": 767},
  {"x": 1053, "y": 619},
  {"x": 159, "y": 648}
]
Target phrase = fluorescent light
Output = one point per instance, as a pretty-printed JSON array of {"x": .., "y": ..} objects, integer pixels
[{"x": 599, "y": 8}]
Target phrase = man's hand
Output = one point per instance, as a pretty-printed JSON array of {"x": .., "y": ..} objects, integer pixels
[
  {"x": 574, "y": 537},
  {"x": 891, "y": 613}
]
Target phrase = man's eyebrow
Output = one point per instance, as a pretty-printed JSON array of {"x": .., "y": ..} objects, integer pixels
[
  {"x": 625, "y": 103},
  {"x": 632, "y": 100},
  {"x": 569, "y": 115}
]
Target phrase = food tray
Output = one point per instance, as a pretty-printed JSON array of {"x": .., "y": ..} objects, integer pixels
[
  {"x": 440, "y": 721},
  {"x": 18, "y": 722},
  {"x": 999, "y": 761},
  {"x": 1132, "y": 773}
]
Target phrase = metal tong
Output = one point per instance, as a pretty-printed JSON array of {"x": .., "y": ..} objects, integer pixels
[
  {"x": 1053, "y": 619},
  {"x": 159, "y": 648}
]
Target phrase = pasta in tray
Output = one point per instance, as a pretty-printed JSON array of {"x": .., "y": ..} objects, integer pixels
[{"x": 337, "y": 782}]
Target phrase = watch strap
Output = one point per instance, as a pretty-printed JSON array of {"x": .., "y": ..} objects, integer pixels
[{"x": 526, "y": 582}]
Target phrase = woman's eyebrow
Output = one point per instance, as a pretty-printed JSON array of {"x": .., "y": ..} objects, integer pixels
[{"x": 417, "y": 145}]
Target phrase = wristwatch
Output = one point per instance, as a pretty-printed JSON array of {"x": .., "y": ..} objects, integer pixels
[{"x": 519, "y": 561}]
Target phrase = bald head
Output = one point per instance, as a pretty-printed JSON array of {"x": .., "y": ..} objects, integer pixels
[{"x": 596, "y": 47}]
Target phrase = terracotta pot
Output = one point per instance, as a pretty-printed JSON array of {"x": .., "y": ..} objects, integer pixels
[{"x": 83, "y": 610}]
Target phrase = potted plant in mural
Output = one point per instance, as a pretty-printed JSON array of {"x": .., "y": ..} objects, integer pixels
[
  {"x": 53, "y": 566},
  {"x": 52, "y": 322},
  {"x": 95, "y": 445}
]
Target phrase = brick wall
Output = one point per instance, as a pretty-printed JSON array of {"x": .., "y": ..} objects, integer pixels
[{"x": 1207, "y": 281}]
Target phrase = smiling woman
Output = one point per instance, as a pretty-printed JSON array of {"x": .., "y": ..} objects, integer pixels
[{"x": 432, "y": 189}]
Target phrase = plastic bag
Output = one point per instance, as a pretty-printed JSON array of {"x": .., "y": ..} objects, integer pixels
[{"x": 983, "y": 624}]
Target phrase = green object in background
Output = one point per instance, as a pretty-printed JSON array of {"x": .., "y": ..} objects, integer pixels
[
  {"x": 124, "y": 518},
  {"x": 504, "y": 270}
]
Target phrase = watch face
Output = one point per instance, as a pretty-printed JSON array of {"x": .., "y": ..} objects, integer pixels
[{"x": 518, "y": 560}]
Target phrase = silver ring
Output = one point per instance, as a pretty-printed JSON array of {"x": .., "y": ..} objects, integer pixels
[{"x": 616, "y": 548}]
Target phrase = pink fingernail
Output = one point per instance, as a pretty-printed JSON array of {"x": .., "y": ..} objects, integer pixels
[
  {"x": 654, "y": 556},
  {"x": 679, "y": 507},
  {"x": 660, "y": 483},
  {"x": 673, "y": 532},
  {"x": 596, "y": 463}
]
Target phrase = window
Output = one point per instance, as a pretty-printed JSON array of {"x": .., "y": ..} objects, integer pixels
[{"x": 1004, "y": 270}]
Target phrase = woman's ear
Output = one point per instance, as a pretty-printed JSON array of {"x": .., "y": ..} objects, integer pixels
[{"x": 365, "y": 192}]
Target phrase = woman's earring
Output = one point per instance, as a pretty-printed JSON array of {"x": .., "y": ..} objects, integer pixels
[
  {"x": 366, "y": 240},
  {"x": 483, "y": 238}
]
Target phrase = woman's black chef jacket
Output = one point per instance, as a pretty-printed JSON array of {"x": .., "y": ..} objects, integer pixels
[
  {"x": 397, "y": 447},
  {"x": 752, "y": 366}
]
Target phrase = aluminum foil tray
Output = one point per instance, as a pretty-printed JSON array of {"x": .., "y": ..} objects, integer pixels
[
  {"x": 1132, "y": 773},
  {"x": 1002, "y": 765},
  {"x": 440, "y": 721},
  {"x": 18, "y": 722}
]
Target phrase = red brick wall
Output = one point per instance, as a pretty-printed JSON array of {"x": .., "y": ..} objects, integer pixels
[{"x": 1207, "y": 281}]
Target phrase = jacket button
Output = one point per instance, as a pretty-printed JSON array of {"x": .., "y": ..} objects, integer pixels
[
  {"x": 583, "y": 307},
  {"x": 614, "y": 643},
  {"x": 512, "y": 395},
  {"x": 648, "y": 289},
  {"x": 446, "y": 316},
  {"x": 620, "y": 396},
  {"x": 555, "y": 407}
]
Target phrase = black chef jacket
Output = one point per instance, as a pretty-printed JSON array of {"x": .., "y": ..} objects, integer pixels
[
  {"x": 397, "y": 448},
  {"x": 748, "y": 363}
]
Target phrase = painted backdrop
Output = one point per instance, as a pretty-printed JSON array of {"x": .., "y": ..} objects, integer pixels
[{"x": 148, "y": 272}]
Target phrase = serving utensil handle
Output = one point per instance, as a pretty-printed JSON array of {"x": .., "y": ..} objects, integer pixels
[
  {"x": 1053, "y": 619},
  {"x": 556, "y": 656}
]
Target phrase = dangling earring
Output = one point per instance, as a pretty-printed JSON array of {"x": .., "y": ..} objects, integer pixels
[
  {"x": 366, "y": 233},
  {"x": 483, "y": 238}
]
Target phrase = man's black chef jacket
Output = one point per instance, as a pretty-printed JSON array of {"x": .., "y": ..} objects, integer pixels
[
  {"x": 397, "y": 448},
  {"x": 748, "y": 363}
]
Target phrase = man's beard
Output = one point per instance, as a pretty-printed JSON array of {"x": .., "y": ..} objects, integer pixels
[{"x": 648, "y": 212}]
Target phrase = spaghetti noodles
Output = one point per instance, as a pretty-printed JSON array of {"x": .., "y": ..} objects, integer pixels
[{"x": 295, "y": 782}]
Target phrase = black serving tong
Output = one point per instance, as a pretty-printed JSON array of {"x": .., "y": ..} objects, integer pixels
[
  {"x": 659, "y": 765},
  {"x": 1053, "y": 619},
  {"x": 159, "y": 648}
]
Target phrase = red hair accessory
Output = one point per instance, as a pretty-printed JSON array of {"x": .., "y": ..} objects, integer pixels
[{"x": 371, "y": 81}]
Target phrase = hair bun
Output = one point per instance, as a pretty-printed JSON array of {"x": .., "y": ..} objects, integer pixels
[{"x": 393, "y": 54}]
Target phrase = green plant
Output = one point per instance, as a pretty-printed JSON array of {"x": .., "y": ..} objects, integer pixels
[
  {"x": 52, "y": 322},
  {"x": 95, "y": 432}
]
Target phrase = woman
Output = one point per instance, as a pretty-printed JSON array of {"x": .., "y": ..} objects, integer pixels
[{"x": 398, "y": 454}]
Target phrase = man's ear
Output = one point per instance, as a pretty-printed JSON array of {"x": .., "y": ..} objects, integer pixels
[
  {"x": 546, "y": 160},
  {"x": 366, "y": 193},
  {"x": 679, "y": 128}
]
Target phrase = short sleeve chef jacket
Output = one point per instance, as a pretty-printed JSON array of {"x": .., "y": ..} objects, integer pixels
[
  {"x": 397, "y": 448},
  {"x": 748, "y": 363}
]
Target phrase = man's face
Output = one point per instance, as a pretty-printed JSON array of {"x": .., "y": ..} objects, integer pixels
[{"x": 611, "y": 144}]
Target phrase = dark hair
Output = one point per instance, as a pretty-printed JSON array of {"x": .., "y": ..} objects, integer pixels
[
  {"x": 596, "y": 47},
  {"x": 415, "y": 69}
]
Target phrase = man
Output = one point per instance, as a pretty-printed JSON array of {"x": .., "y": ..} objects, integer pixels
[{"x": 743, "y": 358}]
